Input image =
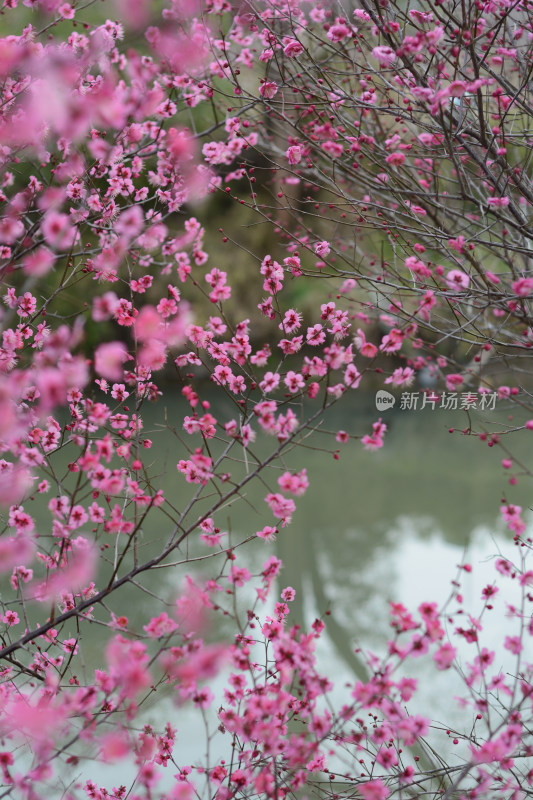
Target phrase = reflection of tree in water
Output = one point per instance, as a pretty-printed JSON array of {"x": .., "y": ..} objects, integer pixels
[
  {"x": 302, "y": 572},
  {"x": 339, "y": 551}
]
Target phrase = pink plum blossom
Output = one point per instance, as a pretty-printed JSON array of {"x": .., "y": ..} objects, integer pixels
[{"x": 109, "y": 359}]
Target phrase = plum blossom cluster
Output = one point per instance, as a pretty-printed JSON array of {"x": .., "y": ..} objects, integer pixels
[{"x": 363, "y": 143}]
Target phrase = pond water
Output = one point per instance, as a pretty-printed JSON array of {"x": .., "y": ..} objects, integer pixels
[{"x": 392, "y": 525}]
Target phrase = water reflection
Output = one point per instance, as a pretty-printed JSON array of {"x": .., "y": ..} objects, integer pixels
[
  {"x": 345, "y": 550},
  {"x": 376, "y": 527},
  {"x": 373, "y": 527},
  {"x": 347, "y": 547},
  {"x": 368, "y": 520}
]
